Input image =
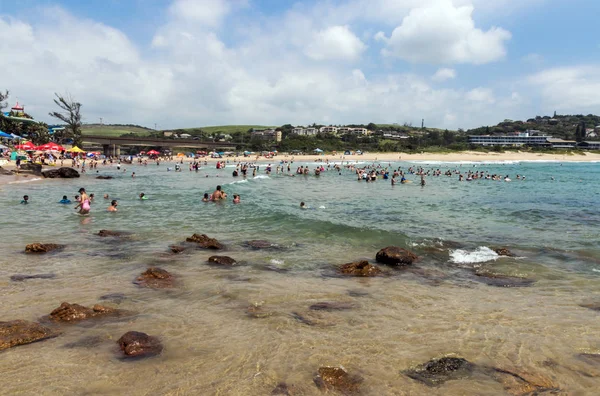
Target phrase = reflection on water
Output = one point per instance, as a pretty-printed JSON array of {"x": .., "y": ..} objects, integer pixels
[{"x": 215, "y": 344}]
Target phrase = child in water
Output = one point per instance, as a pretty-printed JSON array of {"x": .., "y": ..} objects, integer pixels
[
  {"x": 25, "y": 200},
  {"x": 143, "y": 197},
  {"x": 236, "y": 199},
  {"x": 206, "y": 197},
  {"x": 64, "y": 200}
]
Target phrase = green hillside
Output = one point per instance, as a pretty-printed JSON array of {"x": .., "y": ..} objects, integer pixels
[
  {"x": 115, "y": 130},
  {"x": 222, "y": 129}
]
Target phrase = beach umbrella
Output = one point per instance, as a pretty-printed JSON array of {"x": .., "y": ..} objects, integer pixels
[
  {"x": 27, "y": 146},
  {"x": 5, "y": 135},
  {"x": 75, "y": 149},
  {"x": 50, "y": 147},
  {"x": 153, "y": 152},
  {"x": 180, "y": 155},
  {"x": 16, "y": 136}
]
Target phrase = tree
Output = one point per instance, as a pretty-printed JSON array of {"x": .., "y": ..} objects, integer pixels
[
  {"x": 3, "y": 98},
  {"x": 372, "y": 127},
  {"x": 71, "y": 116}
]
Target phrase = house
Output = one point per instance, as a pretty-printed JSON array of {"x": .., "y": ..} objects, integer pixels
[
  {"x": 267, "y": 134},
  {"x": 329, "y": 129},
  {"x": 298, "y": 131},
  {"x": 360, "y": 131},
  {"x": 590, "y": 145},
  {"x": 395, "y": 135},
  {"x": 344, "y": 130},
  {"x": 515, "y": 140},
  {"x": 311, "y": 131},
  {"x": 562, "y": 144}
]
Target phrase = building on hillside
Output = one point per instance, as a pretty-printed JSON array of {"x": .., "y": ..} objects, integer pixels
[
  {"x": 343, "y": 130},
  {"x": 395, "y": 135},
  {"x": 298, "y": 131},
  {"x": 185, "y": 135},
  {"x": 311, "y": 131},
  {"x": 590, "y": 145},
  {"x": 562, "y": 144},
  {"x": 360, "y": 131},
  {"x": 329, "y": 129},
  {"x": 517, "y": 140},
  {"x": 267, "y": 134}
]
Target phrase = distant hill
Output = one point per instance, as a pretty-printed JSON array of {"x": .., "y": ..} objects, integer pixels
[
  {"x": 558, "y": 126},
  {"x": 115, "y": 130},
  {"x": 120, "y": 130}
]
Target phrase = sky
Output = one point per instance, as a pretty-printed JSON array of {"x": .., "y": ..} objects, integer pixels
[{"x": 190, "y": 63}]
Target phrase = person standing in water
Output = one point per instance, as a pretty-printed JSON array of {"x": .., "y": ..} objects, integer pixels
[
  {"x": 84, "y": 203},
  {"x": 113, "y": 206}
]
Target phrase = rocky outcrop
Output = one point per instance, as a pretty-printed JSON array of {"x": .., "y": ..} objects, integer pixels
[
  {"x": 337, "y": 379},
  {"x": 222, "y": 260},
  {"x": 42, "y": 247},
  {"x": 502, "y": 251},
  {"x": 104, "y": 177},
  {"x": 71, "y": 313},
  {"x": 438, "y": 371},
  {"x": 176, "y": 249},
  {"x": 135, "y": 344},
  {"x": 205, "y": 242},
  {"x": 64, "y": 173},
  {"x": 332, "y": 306},
  {"x": 155, "y": 278},
  {"x": 109, "y": 233},
  {"x": 36, "y": 169},
  {"x": 396, "y": 256},
  {"x": 20, "y": 332},
  {"x": 361, "y": 268},
  {"x": 21, "y": 278}
]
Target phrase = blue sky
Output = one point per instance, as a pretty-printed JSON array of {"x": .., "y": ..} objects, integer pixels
[{"x": 185, "y": 63}]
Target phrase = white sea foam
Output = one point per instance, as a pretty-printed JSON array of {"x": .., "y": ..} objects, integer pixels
[
  {"x": 276, "y": 262},
  {"x": 261, "y": 177},
  {"x": 26, "y": 181},
  {"x": 322, "y": 207},
  {"x": 480, "y": 255},
  {"x": 239, "y": 182},
  {"x": 595, "y": 270}
]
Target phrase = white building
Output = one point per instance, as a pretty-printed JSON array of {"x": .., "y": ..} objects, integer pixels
[
  {"x": 329, "y": 129},
  {"x": 360, "y": 131},
  {"x": 298, "y": 131},
  {"x": 311, "y": 131}
]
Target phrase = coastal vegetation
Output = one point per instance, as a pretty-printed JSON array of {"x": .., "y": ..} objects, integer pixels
[{"x": 71, "y": 116}]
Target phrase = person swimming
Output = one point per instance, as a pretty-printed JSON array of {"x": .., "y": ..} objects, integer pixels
[
  {"x": 25, "y": 200},
  {"x": 206, "y": 197},
  {"x": 113, "y": 206},
  {"x": 143, "y": 196},
  {"x": 64, "y": 200},
  {"x": 236, "y": 199}
]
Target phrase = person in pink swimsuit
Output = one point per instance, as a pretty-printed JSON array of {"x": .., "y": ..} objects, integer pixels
[{"x": 84, "y": 203}]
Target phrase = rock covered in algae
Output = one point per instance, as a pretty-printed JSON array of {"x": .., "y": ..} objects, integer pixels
[
  {"x": 337, "y": 379},
  {"x": 43, "y": 247},
  {"x": 396, "y": 256},
  {"x": 21, "y": 332},
  {"x": 360, "y": 268},
  {"x": 155, "y": 278},
  {"x": 138, "y": 344},
  {"x": 205, "y": 242},
  {"x": 71, "y": 313},
  {"x": 222, "y": 260}
]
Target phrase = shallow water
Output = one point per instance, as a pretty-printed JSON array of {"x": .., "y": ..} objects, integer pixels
[{"x": 401, "y": 320}]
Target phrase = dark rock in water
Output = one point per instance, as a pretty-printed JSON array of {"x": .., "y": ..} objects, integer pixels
[
  {"x": 362, "y": 268},
  {"x": 20, "y": 332},
  {"x": 222, "y": 260},
  {"x": 109, "y": 233},
  {"x": 283, "y": 389},
  {"x": 205, "y": 242},
  {"x": 591, "y": 358},
  {"x": 116, "y": 298},
  {"x": 592, "y": 305},
  {"x": 260, "y": 244},
  {"x": 138, "y": 344},
  {"x": 104, "y": 177},
  {"x": 303, "y": 319},
  {"x": 86, "y": 342},
  {"x": 521, "y": 384},
  {"x": 275, "y": 268},
  {"x": 65, "y": 173},
  {"x": 257, "y": 312},
  {"x": 332, "y": 306},
  {"x": 36, "y": 169},
  {"x": 337, "y": 379},
  {"x": 177, "y": 249},
  {"x": 357, "y": 293},
  {"x": 71, "y": 313},
  {"x": 503, "y": 252},
  {"x": 438, "y": 371},
  {"x": 155, "y": 278},
  {"x": 396, "y": 256},
  {"x": 5, "y": 172},
  {"x": 502, "y": 280},
  {"x": 21, "y": 278},
  {"x": 42, "y": 247}
]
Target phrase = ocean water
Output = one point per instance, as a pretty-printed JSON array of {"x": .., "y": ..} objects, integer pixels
[{"x": 440, "y": 306}]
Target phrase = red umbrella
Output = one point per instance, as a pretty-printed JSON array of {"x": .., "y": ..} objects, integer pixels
[
  {"x": 153, "y": 152},
  {"x": 26, "y": 146},
  {"x": 50, "y": 147}
]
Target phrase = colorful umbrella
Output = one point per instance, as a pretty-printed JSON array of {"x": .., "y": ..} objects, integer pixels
[
  {"x": 27, "y": 146},
  {"x": 50, "y": 147},
  {"x": 153, "y": 152},
  {"x": 75, "y": 149}
]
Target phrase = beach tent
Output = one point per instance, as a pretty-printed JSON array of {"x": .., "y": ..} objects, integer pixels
[
  {"x": 318, "y": 150},
  {"x": 153, "y": 152},
  {"x": 75, "y": 149},
  {"x": 27, "y": 146},
  {"x": 5, "y": 135}
]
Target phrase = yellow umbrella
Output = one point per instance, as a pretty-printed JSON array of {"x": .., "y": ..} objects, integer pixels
[
  {"x": 181, "y": 155},
  {"x": 75, "y": 149}
]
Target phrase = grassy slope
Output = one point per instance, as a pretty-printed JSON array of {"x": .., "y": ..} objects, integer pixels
[
  {"x": 227, "y": 129},
  {"x": 113, "y": 131}
]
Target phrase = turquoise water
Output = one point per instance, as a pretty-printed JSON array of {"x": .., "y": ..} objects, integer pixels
[{"x": 550, "y": 221}]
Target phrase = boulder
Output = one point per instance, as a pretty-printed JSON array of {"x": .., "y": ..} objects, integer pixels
[
  {"x": 36, "y": 169},
  {"x": 205, "y": 242},
  {"x": 64, "y": 173},
  {"x": 5, "y": 172},
  {"x": 337, "y": 379},
  {"x": 71, "y": 313},
  {"x": 104, "y": 177},
  {"x": 109, "y": 233},
  {"x": 222, "y": 260},
  {"x": 438, "y": 371},
  {"x": 155, "y": 278},
  {"x": 20, "y": 332},
  {"x": 332, "y": 306},
  {"x": 502, "y": 251},
  {"x": 396, "y": 256},
  {"x": 361, "y": 268},
  {"x": 138, "y": 344},
  {"x": 42, "y": 247},
  {"x": 21, "y": 278},
  {"x": 283, "y": 389},
  {"x": 176, "y": 249}
]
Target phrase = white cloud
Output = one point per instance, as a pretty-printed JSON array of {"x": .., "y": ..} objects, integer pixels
[
  {"x": 440, "y": 32},
  {"x": 481, "y": 95},
  {"x": 444, "y": 74},
  {"x": 572, "y": 89},
  {"x": 205, "y": 12},
  {"x": 335, "y": 42}
]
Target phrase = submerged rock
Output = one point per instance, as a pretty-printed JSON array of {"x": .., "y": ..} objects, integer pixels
[
  {"x": 21, "y": 278},
  {"x": 591, "y": 358},
  {"x": 396, "y": 256},
  {"x": 256, "y": 311},
  {"x": 42, "y": 247},
  {"x": 205, "y": 242},
  {"x": 77, "y": 313},
  {"x": 109, "y": 233},
  {"x": 361, "y": 268},
  {"x": 260, "y": 244},
  {"x": 86, "y": 342},
  {"x": 138, "y": 344},
  {"x": 155, "y": 278},
  {"x": 283, "y": 389},
  {"x": 438, "y": 371},
  {"x": 177, "y": 249},
  {"x": 65, "y": 173},
  {"x": 116, "y": 298},
  {"x": 222, "y": 260},
  {"x": 522, "y": 384},
  {"x": 498, "y": 280},
  {"x": 595, "y": 306},
  {"x": 104, "y": 177},
  {"x": 332, "y": 306},
  {"x": 502, "y": 251},
  {"x": 21, "y": 332},
  {"x": 337, "y": 379}
]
